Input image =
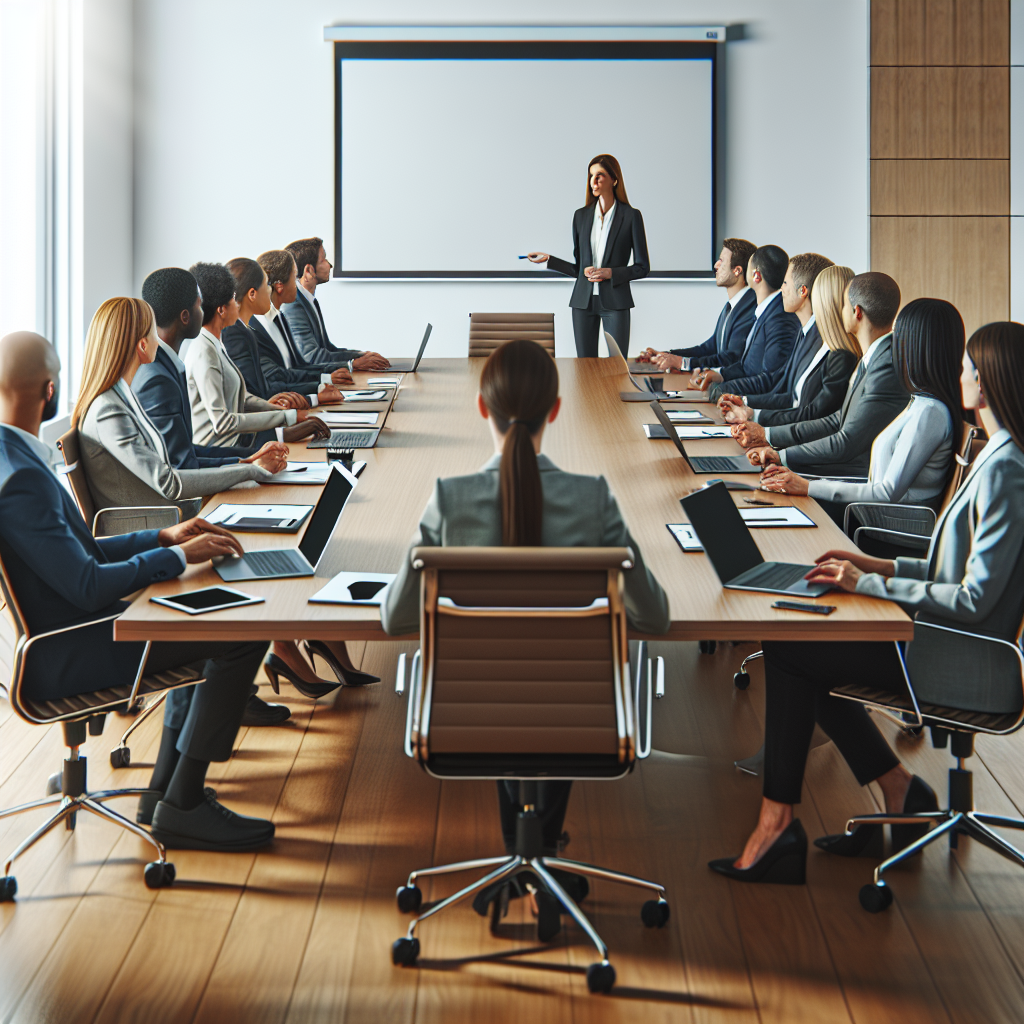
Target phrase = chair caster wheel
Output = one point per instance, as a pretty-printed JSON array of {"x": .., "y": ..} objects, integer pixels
[
  {"x": 404, "y": 952},
  {"x": 409, "y": 898},
  {"x": 8, "y": 888},
  {"x": 654, "y": 914},
  {"x": 120, "y": 757},
  {"x": 742, "y": 680},
  {"x": 876, "y": 898},
  {"x": 706, "y": 646},
  {"x": 159, "y": 875},
  {"x": 600, "y": 977},
  {"x": 55, "y": 783}
]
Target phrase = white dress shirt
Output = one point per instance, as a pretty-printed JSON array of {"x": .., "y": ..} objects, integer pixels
[
  {"x": 269, "y": 321},
  {"x": 599, "y": 236},
  {"x": 798, "y": 387}
]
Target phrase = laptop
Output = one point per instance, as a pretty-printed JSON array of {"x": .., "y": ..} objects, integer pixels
[
  {"x": 301, "y": 561},
  {"x": 703, "y": 463},
  {"x": 410, "y": 366},
  {"x": 646, "y": 391},
  {"x": 734, "y": 552},
  {"x": 348, "y": 439}
]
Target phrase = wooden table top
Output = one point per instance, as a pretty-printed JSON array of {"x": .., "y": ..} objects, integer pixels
[{"x": 434, "y": 430}]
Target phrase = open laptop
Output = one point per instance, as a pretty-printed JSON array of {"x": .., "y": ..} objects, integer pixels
[
  {"x": 410, "y": 366},
  {"x": 734, "y": 552},
  {"x": 301, "y": 561},
  {"x": 703, "y": 463},
  {"x": 645, "y": 391},
  {"x": 348, "y": 438}
]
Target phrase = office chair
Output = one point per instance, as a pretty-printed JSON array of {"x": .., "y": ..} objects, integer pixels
[
  {"x": 523, "y": 674},
  {"x": 75, "y": 714},
  {"x": 958, "y": 684},
  {"x": 489, "y": 330},
  {"x": 110, "y": 522}
]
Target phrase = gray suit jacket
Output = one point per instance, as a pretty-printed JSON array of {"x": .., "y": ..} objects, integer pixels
[
  {"x": 579, "y": 511},
  {"x": 310, "y": 334},
  {"x": 125, "y": 467}
]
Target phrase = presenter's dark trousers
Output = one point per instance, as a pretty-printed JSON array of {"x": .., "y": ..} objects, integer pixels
[
  {"x": 552, "y": 803},
  {"x": 209, "y": 713},
  {"x": 798, "y": 677},
  {"x": 586, "y": 323}
]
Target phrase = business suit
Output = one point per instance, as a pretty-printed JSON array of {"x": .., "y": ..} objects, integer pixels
[
  {"x": 579, "y": 511},
  {"x": 301, "y": 375},
  {"x": 162, "y": 390},
  {"x": 62, "y": 575},
  {"x": 726, "y": 344},
  {"x": 309, "y": 332},
  {"x": 840, "y": 444},
  {"x": 822, "y": 393},
  {"x": 783, "y": 384},
  {"x": 124, "y": 465},
  {"x": 626, "y": 237},
  {"x": 242, "y": 345},
  {"x": 765, "y": 352},
  {"x": 970, "y": 579}
]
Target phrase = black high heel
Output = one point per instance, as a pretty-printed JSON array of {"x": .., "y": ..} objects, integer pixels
[
  {"x": 783, "y": 863},
  {"x": 346, "y": 676},
  {"x": 920, "y": 797},
  {"x": 863, "y": 841},
  {"x": 275, "y": 666}
]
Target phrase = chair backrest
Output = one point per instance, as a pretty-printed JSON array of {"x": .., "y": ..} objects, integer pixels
[
  {"x": 68, "y": 445},
  {"x": 489, "y": 330},
  {"x": 970, "y": 437},
  {"x": 524, "y": 669}
]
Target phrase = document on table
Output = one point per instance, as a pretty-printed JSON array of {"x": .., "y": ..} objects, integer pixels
[
  {"x": 364, "y": 395},
  {"x": 777, "y": 515},
  {"x": 383, "y": 382},
  {"x": 688, "y": 432},
  {"x": 349, "y": 419},
  {"x": 685, "y": 415},
  {"x": 259, "y": 518},
  {"x": 302, "y": 473},
  {"x": 354, "y": 588},
  {"x": 685, "y": 536}
]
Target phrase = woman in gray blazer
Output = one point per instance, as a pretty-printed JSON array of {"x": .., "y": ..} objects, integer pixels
[
  {"x": 971, "y": 578},
  {"x": 122, "y": 451},
  {"x": 520, "y": 497}
]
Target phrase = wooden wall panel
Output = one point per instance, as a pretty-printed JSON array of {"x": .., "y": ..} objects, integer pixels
[
  {"x": 940, "y": 188},
  {"x": 948, "y": 258},
  {"x": 940, "y": 113},
  {"x": 920, "y": 33}
]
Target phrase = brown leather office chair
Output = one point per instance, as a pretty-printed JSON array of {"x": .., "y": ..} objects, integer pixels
[
  {"x": 75, "y": 714},
  {"x": 489, "y": 330},
  {"x": 523, "y": 674}
]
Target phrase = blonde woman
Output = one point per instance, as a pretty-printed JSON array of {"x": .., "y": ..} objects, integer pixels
[
  {"x": 122, "y": 452},
  {"x": 821, "y": 388}
]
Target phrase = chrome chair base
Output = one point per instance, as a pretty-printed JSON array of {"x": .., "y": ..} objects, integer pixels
[{"x": 121, "y": 755}]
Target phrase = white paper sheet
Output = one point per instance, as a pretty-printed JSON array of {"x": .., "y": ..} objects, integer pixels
[
  {"x": 338, "y": 592},
  {"x": 302, "y": 473},
  {"x": 349, "y": 419}
]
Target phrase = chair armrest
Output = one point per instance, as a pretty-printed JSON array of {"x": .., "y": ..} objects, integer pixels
[
  {"x": 915, "y": 519},
  {"x": 912, "y": 541},
  {"x": 157, "y": 517}
]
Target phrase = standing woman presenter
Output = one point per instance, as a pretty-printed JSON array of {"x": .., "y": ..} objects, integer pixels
[{"x": 605, "y": 233}]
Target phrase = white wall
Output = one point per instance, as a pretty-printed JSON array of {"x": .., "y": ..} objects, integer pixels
[{"x": 234, "y": 134}]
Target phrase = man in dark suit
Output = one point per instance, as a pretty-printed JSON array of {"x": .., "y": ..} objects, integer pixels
[
  {"x": 840, "y": 444},
  {"x": 734, "y": 322},
  {"x": 62, "y": 576},
  {"x": 305, "y": 319},
  {"x": 770, "y": 340}
]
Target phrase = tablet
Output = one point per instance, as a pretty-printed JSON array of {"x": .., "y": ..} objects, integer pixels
[{"x": 209, "y": 599}]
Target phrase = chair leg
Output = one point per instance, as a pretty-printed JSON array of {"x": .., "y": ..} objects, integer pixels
[
  {"x": 980, "y": 831},
  {"x": 89, "y": 804},
  {"x": 595, "y": 872},
  {"x": 46, "y": 801},
  {"x": 953, "y": 821},
  {"x": 570, "y": 904},
  {"x": 997, "y": 819},
  {"x": 142, "y": 716},
  {"x": 111, "y": 794},
  {"x": 510, "y": 866},
  {"x": 68, "y": 806},
  {"x": 896, "y": 819},
  {"x": 463, "y": 865}
]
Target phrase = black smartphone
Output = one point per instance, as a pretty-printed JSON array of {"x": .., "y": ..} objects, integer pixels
[{"x": 805, "y": 606}]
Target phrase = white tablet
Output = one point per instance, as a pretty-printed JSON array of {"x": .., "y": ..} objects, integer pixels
[{"x": 209, "y": 599}]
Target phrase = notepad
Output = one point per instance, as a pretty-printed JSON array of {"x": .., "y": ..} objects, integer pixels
[
  {"x": 365, "y": 395},
  {"x": 688, "y": 432},
  {"x": 383, "y": 382},
  {"x": 686, "y": 415},
  {"x": 685, "y": 536},
  {"x": 302, "y": 473},
  {"x": 354, "y": 588},
  {"x": 777, "y": 515},
  {"x": 349, "y": 419},
  {"x": 259, "y": 518}
]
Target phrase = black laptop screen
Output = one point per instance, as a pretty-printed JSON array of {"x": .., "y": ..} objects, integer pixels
[
  {"x": 423, "y": 345},
  {"x": 722, "y": 532},
  {"x": 325, "y": 517}
]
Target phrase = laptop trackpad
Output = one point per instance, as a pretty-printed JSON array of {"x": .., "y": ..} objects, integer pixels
[{"x": 805, "y": 589}]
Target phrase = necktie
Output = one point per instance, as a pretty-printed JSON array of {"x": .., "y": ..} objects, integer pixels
[
  {"x": 722, "y": 321},
  {"x": 323, "y": 326},
  {"x": 286, "y": 331}
]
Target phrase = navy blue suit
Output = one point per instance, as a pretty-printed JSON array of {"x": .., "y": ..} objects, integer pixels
[
  {"x": 731, "y": 331},
  {"x": 162, "y": 390},
  {"x": 765, "y": 352},
  {"x": 780, "y": 394}
]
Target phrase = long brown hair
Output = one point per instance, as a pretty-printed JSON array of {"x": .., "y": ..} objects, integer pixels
[
  {"x": 519, "y": 386},
  {"x": 109, "y": 348},
  {"x": 611, "y": 165},
  {"x": 997, "y": 351}
]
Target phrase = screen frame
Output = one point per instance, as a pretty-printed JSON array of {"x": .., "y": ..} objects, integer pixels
[{"x": 509, "y": 50}]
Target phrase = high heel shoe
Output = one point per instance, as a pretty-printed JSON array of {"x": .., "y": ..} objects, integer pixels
[
  {"x": 346, "y": 676},
  {"x": 783, "y": 863},
  {"x": 863, "y": 841},
  {"x": 275, "y": 667},
  {"x": 920, "y": 797}
]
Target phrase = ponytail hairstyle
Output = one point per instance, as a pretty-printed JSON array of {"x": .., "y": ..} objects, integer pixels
[
  {"x": 997, "y": 351},
  {"x": 519, "y": 386}
]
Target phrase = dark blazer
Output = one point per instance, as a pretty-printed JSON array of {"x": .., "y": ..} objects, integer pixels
[
  {"x": 726, "y": 344},
  {"x": 784, "y": 379},
  {"x": 162, "y": 390},
  {"x": 309, "y": 332},
  {"x": 840, "y": 444},
  {"x": 823, "y": 392},
  {"x": 765, "y": 351},
  {"x": 626, "y": 236},
  {"x": 43, "y": 539},
  {"x": 302, "y": 376},
  {"x": 243, "y": 345}
]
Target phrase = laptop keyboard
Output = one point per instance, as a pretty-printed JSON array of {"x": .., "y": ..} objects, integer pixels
[
  {"x": 714, "y": 463},
  {"x": 271, "y": 563},
  {"x": 776, "y": 575},
  {"x": 345, "y": 439}
]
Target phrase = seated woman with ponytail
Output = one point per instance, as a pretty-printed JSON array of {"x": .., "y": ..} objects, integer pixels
[{"x": 521, "y": 498}]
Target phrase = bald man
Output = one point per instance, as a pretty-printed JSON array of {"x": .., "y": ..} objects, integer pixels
[{"x": 62, "y": 575}]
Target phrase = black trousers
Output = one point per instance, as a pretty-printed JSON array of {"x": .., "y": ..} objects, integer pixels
[
  {"x": 209, "y": 713},
  {"x": 586, "y": 324},
  {"x": 552, "y": 803},
  {"x": 798, "y": 677}
]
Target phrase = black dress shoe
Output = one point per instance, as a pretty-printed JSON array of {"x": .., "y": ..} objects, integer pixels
[
  {"x": 783, "y": 863},
  {"x": 149, "y": 800},
  {"x": 863, "y": 841},
  {"x": 920, "y": 797},
  {"x": 275, "y": 666},
  {"x": 259, "y": 712},
  {"x": 346, "y": 676},
  {"x": 210, "y": 826}
]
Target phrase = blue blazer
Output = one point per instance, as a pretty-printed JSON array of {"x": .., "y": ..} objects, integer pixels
[
  {"x": 731, "y": 331},
  {"x": 780, "y": 394},
  {"x": 765, "y": 351},
  {"x": 162, "y": 390},
  {"x": 309, "y": 333},
  {"x": 62, "y": 575}
]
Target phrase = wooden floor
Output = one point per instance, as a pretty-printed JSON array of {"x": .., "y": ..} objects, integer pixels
[{"x": 302, "y": 931}]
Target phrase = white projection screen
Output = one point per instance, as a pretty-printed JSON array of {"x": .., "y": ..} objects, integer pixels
[{"x": 455, "y": 158}]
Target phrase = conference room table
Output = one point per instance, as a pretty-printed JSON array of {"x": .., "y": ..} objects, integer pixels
[{"x": 433, "y": 429}]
